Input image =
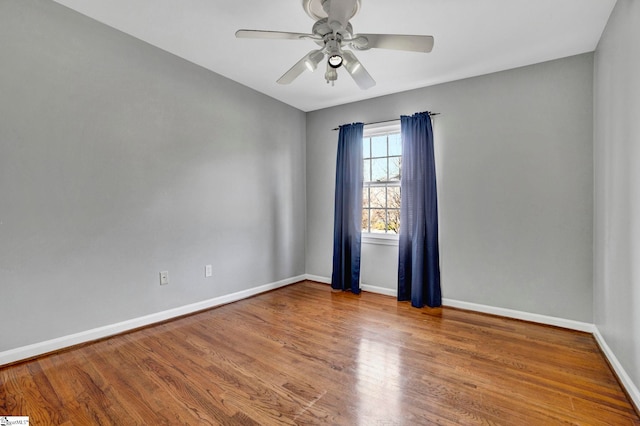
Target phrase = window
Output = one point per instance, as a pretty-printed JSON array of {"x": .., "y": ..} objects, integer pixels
[{"x": 382, "y": 154}]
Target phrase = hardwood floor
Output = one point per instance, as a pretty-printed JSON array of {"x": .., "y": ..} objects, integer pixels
[{"x": 306, "y": 355}]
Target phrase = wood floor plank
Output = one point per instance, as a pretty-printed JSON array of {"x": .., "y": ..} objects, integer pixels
[{"x": 304, "y": 354}]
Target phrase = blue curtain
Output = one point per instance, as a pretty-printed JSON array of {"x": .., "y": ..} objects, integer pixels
[
  {"x": 347, "y": 224},
  {"x": 419, "y": 259}
]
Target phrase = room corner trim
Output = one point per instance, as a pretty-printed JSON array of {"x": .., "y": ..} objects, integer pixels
[
  {"x": 317, "y": 278},
  {"x": 30, "y": 351},
  {"x": 623, "y": 377}
]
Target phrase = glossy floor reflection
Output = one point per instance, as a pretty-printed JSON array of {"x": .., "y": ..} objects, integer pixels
[{"x": 379, "y": 387}]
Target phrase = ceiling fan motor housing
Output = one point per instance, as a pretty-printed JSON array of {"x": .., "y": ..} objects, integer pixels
[
  {"x": 318, "y": 9},
  {"x": 322, "y": 29}
]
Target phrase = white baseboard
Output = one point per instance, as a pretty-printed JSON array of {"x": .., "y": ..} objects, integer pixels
[
  {"x": 503, "y": 312},
  {"x": 521, "y": 315},
  {"x": 365, "y": 287},
  {"x": 36, "y": 349},
  {"x": 625, "y": 380},
  {"x": 379, "y": 290}
]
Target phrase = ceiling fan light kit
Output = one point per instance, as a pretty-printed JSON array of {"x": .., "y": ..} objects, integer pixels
[
  {"x": 333, "y": 33},
  {"x": 335, "y": 60}
]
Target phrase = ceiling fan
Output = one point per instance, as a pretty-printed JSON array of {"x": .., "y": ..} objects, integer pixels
[{"x": 333, "y": 33}]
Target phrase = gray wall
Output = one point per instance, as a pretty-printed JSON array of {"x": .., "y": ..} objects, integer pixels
[
  {"x": 515, "y": 178},
  {"x": 617, "y": 186},
  {"x": 119, "y": 160}
]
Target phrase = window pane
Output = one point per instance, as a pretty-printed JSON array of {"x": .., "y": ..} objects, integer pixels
[
  {"x": 382, "y": 167},
  {"x": 379, "y": 170},
  {"x": 366, "y": 147},
  {"x": 393, "y": 217},
  {"x": 393, "y": 197},
  {"x": 394, "y": 168},
  {"x": 366, "y": 170},
  {"x": 378, "y": 219},
  {"x": 395, "y": 144},
  {"x": 365, "y": 220},
  {"x": 379, "y": 146},
  {"x": 378, "y": 196}
]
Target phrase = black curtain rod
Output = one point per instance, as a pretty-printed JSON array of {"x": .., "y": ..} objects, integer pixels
[{"x": 388, "y": 121}]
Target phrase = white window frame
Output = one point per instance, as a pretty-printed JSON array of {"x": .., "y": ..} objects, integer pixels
[{"x": 371, "y": 130}]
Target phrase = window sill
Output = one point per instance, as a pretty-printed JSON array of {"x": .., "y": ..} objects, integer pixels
[{"x": 380, "y": 239}]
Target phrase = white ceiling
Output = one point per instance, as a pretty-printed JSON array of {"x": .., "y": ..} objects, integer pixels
[{"x": 472, "y": 37}]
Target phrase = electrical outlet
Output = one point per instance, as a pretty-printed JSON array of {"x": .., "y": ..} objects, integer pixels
[
  {"x": 164, "y": 277},
  {"x": 208, "y": 271}
]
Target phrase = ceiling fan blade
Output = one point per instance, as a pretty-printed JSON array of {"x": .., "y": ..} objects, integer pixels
[
  {"x": 360, "y": 75},
  {"x": 277, "y": 35},
  {"x": 303, "y": 64},
  {"x": 412, "y": 43}
]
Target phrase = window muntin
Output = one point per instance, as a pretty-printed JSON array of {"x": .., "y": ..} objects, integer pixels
[{"x": 382, "y": 156}]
